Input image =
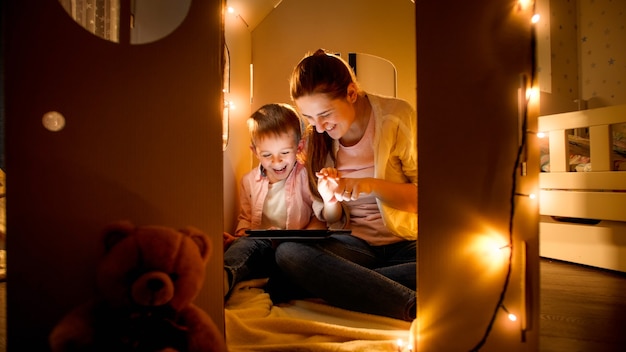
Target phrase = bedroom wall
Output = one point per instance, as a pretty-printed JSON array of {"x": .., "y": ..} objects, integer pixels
[
  {"x": 587, "y": 60},
  {"x": 368, "y": 26},
  {"x": 142, "y": 141}
]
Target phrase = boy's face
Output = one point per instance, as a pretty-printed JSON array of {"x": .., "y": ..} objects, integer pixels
[{"x": 277, "y": 154}]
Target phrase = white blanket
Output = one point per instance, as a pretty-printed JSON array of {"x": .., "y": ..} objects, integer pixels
[{"x": 253, "y": 323}]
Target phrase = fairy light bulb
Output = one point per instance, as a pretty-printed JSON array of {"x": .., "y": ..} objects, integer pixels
[
  {"x": 535, "y": 19},
  {"x": 532, "y": 92},
  {"x": 496, "y": 251},
  {"x": 400, "y": 344},
  {"x": 511, "y": 316}
]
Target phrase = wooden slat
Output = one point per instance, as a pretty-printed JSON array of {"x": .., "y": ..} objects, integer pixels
[
  {"x": 585, "y": 118},
  {"x": 559, "y": 151},
  {"x": 586, "y": 205},
  {"x": 602, "y": 245},
  {"x": 609, "y": 180},
  {"x": 600, "y": 143}
]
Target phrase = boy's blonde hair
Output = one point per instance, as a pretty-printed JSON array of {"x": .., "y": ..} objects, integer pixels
[{"x": 273, "y": 120}]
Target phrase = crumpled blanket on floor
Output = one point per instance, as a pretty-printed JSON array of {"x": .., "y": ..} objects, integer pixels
[{"x": 253, "y": 323}]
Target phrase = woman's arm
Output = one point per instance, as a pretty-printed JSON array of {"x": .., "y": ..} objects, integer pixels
[{"x": 402, "y": 196}]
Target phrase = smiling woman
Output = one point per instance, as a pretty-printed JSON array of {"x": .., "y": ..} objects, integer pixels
[{"x": 383, "y": 55}]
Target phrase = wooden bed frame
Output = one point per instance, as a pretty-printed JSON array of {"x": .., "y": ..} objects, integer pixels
[{"x": 583, "y": 214}]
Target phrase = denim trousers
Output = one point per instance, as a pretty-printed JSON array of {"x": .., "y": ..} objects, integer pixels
[
  {"x": 347, "y": 272},
  {"x": 248, "y": 258}
]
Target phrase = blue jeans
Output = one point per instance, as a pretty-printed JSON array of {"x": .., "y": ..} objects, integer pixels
[
  {"x": 248, "y": 258},
  {"x": 347, "y": 272}
]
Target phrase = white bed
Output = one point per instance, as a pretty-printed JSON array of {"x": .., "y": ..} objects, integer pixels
[{"x": 583, "y": 187}]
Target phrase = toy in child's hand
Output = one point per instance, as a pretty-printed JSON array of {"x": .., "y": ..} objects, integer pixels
[{"x": 146, "y": 281}]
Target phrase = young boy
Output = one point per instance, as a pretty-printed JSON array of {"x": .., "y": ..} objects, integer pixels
[{"x": 274, "y": 195}]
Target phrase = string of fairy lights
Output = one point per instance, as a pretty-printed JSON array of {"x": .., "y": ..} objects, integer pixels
[{"x": 519, "y": 169}]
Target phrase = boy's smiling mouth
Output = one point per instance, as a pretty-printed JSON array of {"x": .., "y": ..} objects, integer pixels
[{"x": 281, "y": 169}]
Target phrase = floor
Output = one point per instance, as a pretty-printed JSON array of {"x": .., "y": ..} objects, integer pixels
[{"x": 582, "y": 309}]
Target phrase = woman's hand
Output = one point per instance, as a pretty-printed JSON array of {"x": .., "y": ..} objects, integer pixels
[
  {"x": 333, "y": 188},
  {"x": 349, "y": 189},
  {"x": 402, "y": 196}
]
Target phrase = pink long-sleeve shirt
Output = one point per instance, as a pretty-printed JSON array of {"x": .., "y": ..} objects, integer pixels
[{"x": 254, "y": 189}]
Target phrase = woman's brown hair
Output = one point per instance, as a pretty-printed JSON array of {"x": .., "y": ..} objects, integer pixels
[{"x": 320, "y": 73}]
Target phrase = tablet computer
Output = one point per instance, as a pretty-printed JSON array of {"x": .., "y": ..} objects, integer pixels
[{"x": 305, "y": 234}]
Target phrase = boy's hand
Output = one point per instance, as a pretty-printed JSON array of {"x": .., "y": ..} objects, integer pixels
[
  {"x": 228, "y": 239},
  {"x": 327, "y": 182}
]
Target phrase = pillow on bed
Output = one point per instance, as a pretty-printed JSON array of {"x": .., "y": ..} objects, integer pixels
[
  {"x": 578, "y": 149},
  {"x": 579, "y": 159}
]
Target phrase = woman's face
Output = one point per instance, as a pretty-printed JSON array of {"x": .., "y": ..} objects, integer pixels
[
  {"x": 333, "y": 116},
  {"x": 277, "y": 154}
]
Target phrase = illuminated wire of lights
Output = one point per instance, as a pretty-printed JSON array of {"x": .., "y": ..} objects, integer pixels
[{"x": 518, "y": 163}]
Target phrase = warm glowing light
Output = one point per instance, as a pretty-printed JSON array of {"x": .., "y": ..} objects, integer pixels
[
  {"x": 524, "y": 3},
  {"x": 535, "y": 19},
  {"x": 400, "y": 344},
  {"x": 541, "y": 134},
  {"x": 491, "y": 250},
  {"x": 229, "y": 104},
  {"x": 231, "y": 9},
  {"x": 511, "y": 316},
  {"x": 413, "y": 335},
  {"x": 532, "y": 196},
  {"x": 532, "y": 92}
]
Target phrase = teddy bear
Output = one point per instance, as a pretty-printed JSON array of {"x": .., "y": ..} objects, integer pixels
[{"x": 146, "y": 283}]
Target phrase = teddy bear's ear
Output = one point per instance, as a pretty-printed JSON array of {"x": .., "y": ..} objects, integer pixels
[
  {"x": 200, "y": 239},
  {"x": 116, "y": 232}
]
